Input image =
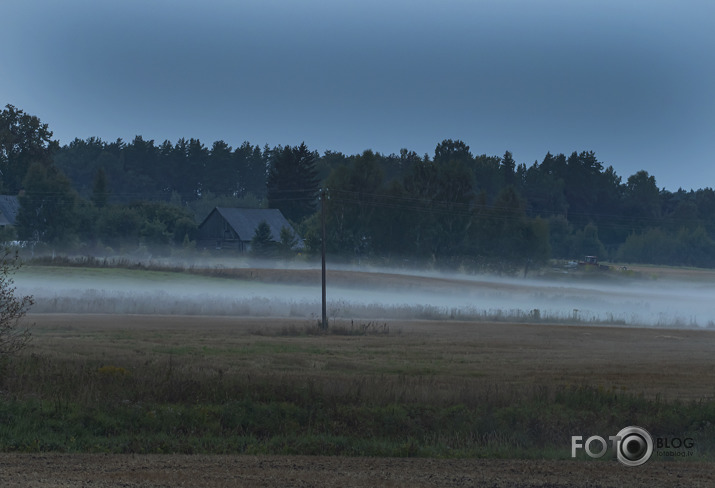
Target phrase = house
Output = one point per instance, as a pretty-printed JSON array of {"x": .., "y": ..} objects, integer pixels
[
  {"x": 233, "y": 228},
  {"x": 9, "y": 206}
]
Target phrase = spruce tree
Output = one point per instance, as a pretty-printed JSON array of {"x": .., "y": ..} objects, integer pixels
[
  {"x": 100, "y": 192},
  {"x": 262, "y": 244},
  {"x": 293, "y": 182}
]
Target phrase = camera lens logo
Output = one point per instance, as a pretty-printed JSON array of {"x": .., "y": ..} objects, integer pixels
[{"x": 634, "y": 446}]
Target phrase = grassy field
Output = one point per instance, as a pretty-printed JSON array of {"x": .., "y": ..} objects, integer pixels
[
  {"x": 167, "y": 373},
  {"x": 179, "y": 384},
  {"x": 676, "y": 298}
]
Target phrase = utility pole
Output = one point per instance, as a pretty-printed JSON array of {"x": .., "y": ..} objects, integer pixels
[{"x": 322, "y": 252}]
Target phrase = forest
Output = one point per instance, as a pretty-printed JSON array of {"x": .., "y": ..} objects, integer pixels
[{"x": 453, "y": 209}]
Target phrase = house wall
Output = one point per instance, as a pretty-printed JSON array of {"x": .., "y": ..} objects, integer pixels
[{"x": 215, "y": 233}]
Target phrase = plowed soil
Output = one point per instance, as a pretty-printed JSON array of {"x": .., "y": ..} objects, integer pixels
[{"x": 110, "y": 471}]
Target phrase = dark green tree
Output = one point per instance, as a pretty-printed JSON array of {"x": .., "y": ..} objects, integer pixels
[
  {"x": 262, "y": 243},
  {"x": 642, "y": 201},
  {"x": 81, "y": 160},
  {"x": 185, "y": 228},
  {"x": 397, "y": 218},
  {"x": 503, "y": 237},
  {"x": 288, "y": 243},
  {"x": 609, "y": 215},
  {"x": 221, "y": 175},
  {"x": 449, "y": 150},
  {"x": 653, "y": 246},
  {"x": 155, "y": 236},
  {"x": 24, "y": 140},
  {"x": 195, "y": 172},
  {"x": 705, "y": 200},
  {"x": 166, "y": 216},
  {"x": 587, "y": 243},
  {"x": 100, "y": 189},
  {"x": 352, "y": 205},
  {"x": 507, "y": 168},
  {"x": 118, "y": 226},
  {"x": 87, "y": 217},
  {"x": 252, "y": 164},
  {"x": 292, "y": 182},
  {"x": 48, "y": 207},
  {"x": 141, "y": 160},
  {"x": 78, "y": 160},
  {"x": 488, "y": 176},
  {"x": 695, "y": 248},
  {"x": 684, "y": 214},
  {"x": 561, "y": 238},
  {"x": 582, "y": 180},
  {"x": 438, "y": 195},
  {"x": 174, "y": 162},
  {"x": 544, "y": 187}
]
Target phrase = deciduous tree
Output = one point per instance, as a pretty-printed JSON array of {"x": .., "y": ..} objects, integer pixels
[
  {"x": 14, "y": 335},
  {"x": 47, "y": 207},
  {"x": 24, "y": 140}
]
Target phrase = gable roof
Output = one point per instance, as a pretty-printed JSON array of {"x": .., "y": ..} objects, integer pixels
[
  {"x": 245, "y": 221},
  {"x": 9, "y": 206}
]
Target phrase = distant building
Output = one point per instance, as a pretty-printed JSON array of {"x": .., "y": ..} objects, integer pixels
[
  {"x": 9, "y": 206},
  {"x": 233, "y": 228}
]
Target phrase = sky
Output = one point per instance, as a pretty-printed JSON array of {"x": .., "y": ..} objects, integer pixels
[{"x": 633, "y": 81}]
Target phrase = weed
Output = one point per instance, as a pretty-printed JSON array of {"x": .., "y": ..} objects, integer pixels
[
  {"x": 172, "y": 406},
  {"x": 338, "y": 329}
]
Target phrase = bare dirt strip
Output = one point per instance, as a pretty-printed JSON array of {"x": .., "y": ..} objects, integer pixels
[{"x": 110, "y": 471}]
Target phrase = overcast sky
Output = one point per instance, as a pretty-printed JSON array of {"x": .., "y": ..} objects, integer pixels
[{"x": 633, "y": 81}]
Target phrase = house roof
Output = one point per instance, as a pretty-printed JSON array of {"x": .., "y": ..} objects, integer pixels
[
  {"x": 245, "y": 221},
  {"x": 9, "y": 206}
]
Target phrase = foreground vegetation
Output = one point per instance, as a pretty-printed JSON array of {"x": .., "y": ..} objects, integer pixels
[{"x": 363, "y": 390}]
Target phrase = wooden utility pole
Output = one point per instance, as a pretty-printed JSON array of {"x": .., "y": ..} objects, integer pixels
[{"x": 322, "y": 252}]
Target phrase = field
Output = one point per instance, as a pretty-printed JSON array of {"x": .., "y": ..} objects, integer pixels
[{"x": 122, "y": 399}]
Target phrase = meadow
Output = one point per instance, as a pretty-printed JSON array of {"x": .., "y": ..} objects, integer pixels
[
  {"x": 257, "y": 384},
  {"x": 665, "y": 297}
]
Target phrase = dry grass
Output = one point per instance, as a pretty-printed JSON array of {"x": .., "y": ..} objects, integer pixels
[
  {"x": 152, "y": 384},
  {"x": 441, "y": 356}
]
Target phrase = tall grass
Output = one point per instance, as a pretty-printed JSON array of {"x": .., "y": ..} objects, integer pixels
[
  {"x": 232, "y": 292},
  {"x": 171, "y": 405},
  {"x": 161, "y": 302}
]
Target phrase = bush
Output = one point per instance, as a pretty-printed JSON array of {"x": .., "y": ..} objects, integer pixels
[{"x": 13, "y": 335}]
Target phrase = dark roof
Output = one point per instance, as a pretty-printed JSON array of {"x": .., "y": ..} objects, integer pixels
[
  {"x": 9, "y": 206},
  {"x": 245, "y": 221}
]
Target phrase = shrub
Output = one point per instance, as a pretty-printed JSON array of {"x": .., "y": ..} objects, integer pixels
[{"x": 13, "y": 334}]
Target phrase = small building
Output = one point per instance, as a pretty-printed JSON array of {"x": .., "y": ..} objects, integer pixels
[
  {"x": 233, "y": 228},
  {"x": 9, "y": 207}
]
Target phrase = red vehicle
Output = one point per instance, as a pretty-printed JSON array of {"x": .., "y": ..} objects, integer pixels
[{"x": 592, "y": 261}]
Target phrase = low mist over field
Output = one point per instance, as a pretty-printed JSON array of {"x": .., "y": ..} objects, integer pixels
[{"x": 370, "y": 295}]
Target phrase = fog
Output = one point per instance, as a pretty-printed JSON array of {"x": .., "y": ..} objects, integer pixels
[{"x": 373, "y": 295}]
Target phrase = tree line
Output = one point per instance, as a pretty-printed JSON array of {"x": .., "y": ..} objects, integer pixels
[{"x": 452, "y": 208}]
